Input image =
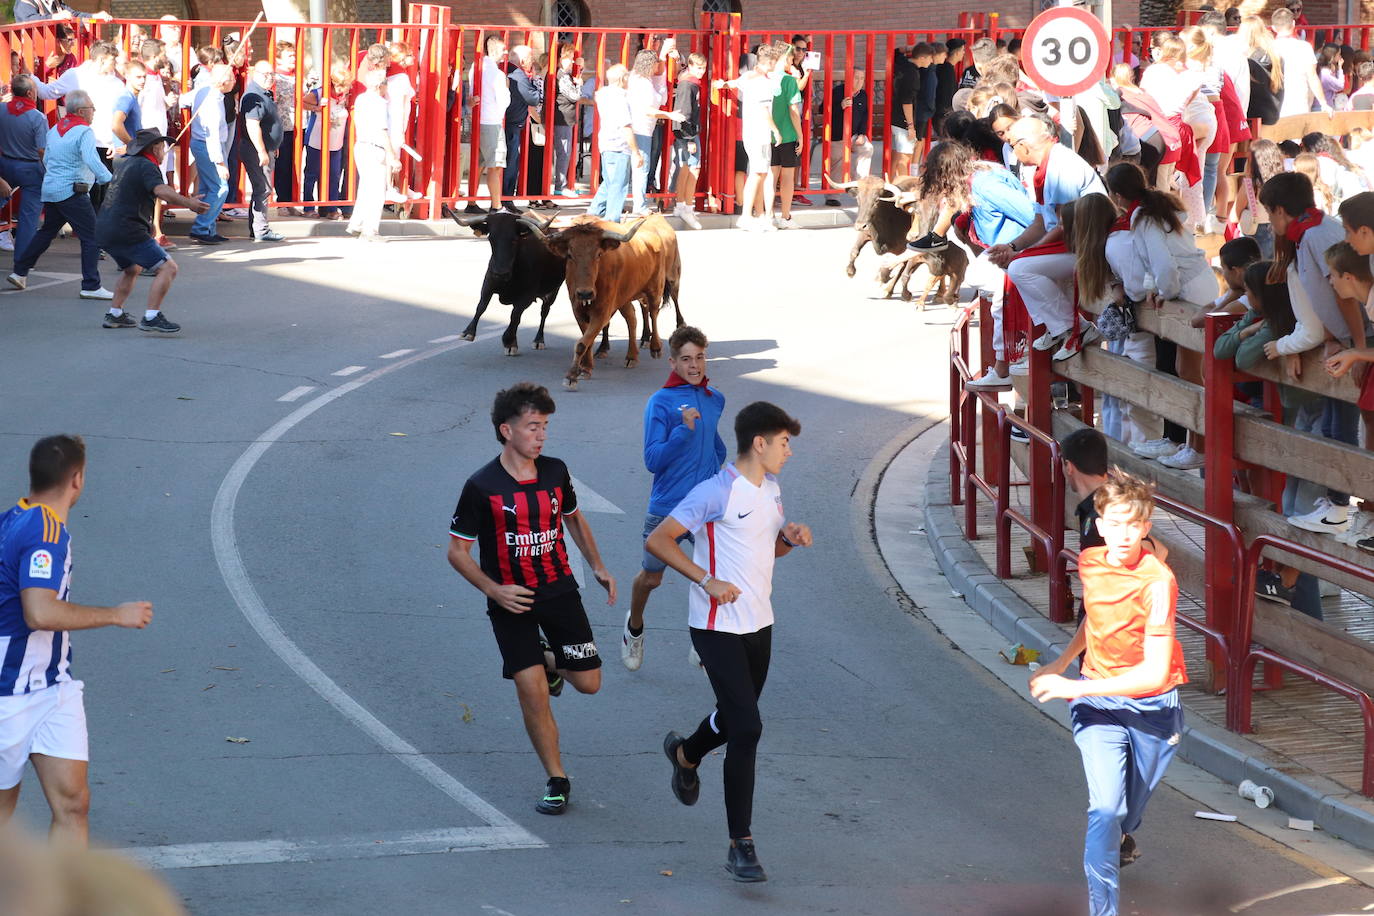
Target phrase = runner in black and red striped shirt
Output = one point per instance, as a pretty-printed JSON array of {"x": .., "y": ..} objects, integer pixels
[{"x": 515, "y": 509}]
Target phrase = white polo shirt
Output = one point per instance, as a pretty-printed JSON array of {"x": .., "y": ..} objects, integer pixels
[{"x": 736, "y": 526}]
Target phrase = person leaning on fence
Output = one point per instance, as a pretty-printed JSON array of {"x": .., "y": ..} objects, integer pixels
[
  {"x": 1352, "y": 278},
  {"x": 687, "y": 147},
  {"x": 23, "y": 137},
  {"x": 1045, "y": 281},
  {"x": 620, "y": 151},
  {"x": 1302, "y": 236},
  {"x": 1127, "y": 717},
  {"x": 857, "y": 140},
  {"x": 340, "y": 101},
  {"x": 373, "y": 155},
  {"x": 565, "y": 119},
  {"x": 522, "y": 108},
  {"x": 71, "y": 166},
  {"x": 209, "y": 148}
]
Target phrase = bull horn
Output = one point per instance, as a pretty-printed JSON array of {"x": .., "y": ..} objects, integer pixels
[
  {"x": 906, "y": 198},
  {"x": 839, "y": 186},
  {"x": 621, "y": 236},
  {"x": 464, "y": 219},
  {"x": 892, "y": 189},
  {"x": 534, "y": 225}
]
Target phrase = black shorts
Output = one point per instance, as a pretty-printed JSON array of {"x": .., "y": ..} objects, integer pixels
[
  {"x": 741, "y": 157},
  {"x": 785, "y": 155},
  {"x": 565, "y": 626}
]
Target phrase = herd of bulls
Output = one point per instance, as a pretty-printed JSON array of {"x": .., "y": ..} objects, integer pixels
[{"x": 606, "y": 267}]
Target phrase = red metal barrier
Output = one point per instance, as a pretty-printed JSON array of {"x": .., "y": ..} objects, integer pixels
[
  {"x": 1050, "y": 536},
  {"x": 965, "y": 481},
  {"x": 1242, "y": 686}
]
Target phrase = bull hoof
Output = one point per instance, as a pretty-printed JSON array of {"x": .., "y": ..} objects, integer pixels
[
  {"x": 570, "y": 384},
  {"x": 539, "y": 344},
  {"x": 850, "y": 271},
  {"x": 512, "y": 351},
  {"x": 466, "y": 336},
  {"x": 631, "y": 363},
  {"x": 655, "y": 353},
  {"x": 602, "y": 354}
]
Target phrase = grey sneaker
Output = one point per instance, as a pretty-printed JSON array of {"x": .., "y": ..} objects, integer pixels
[
  {"x": 123, "y": 320},
  {"x": 160, "y": 324}
]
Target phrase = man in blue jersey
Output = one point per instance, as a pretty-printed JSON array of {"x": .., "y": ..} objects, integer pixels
[
  {"x": 743, "y": 528},
  {"x": 516, "y": 510},
  {"x": 681, "y": 449},
  {"x": 42, "y": 716}
]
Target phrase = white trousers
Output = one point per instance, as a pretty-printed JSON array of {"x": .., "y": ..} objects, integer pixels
[
  {"x": 370, "y": 197},
  {"x": 990, "y": 280},
  {"x": 1046, "y": 284}
]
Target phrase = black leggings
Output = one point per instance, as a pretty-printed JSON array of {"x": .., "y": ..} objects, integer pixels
[
  {"x": 737, "y": 665},
  {"x": 1166, "y": 357}
]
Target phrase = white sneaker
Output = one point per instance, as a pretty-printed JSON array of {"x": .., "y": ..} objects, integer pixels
[
  {"x": 747, "y": 223},
  {"x": 570, "y": 192},
  {"x": 1020, "y": 368},
  {"x": 6, "y": 241},
  {"x": 1087, "y": 335},
  {"x": 1324, "y": 519},
  {"x": 17, "y": 281},
  {"x": 1048, "y": 341},
  {"x": 631, "y": 647},
  {"x": 1185, "y": 459},
  {"x": 787, "y": 223},
  {"x": 101, "y": 293},
  {"x": 237, "y": 213},
  {"x": 1361, "y": 527},
  {"x": 990, "y": 381},
  {"x": 1213, "y": 226},
  {"x": 765, "y": 224},
  {"x": 688, "y": 216},
  {"x": 1155, "y": 448}
]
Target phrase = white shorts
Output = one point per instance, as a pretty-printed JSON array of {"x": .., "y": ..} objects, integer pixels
[
  {"x": 760, "y": 153},
  {"x": 901, "y": 143},
  {"x": 51, "y": 721}
]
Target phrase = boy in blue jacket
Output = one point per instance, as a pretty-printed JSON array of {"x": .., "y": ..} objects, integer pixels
[{"x": 681, "y": 449}]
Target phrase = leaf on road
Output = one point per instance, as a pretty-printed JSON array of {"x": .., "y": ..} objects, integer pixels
[
  {"x": 667, "y": 873},
  {"x": 467, "y": 712},
  {"x": 222, "y": 668},
  {"x": 237, "y": 740},
  {"x": 402, "y": 435},
  {"x": 167, "y": 670},
  {"x": 206, "y": 687}
]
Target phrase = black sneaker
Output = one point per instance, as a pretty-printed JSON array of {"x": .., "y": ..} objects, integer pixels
[
  {"x": 929, "y": 242},
  {"x": 1129, "y": 851},
  {"x": 219, "y": 239},
  {"x": 743, "y": 862},
  {"x": 1269, "y": 585},
  {"x": 832, "y": 202},
  {"x": 1366, "y": 544},
  {"x": 159, "y": 324},
  {"x": 119, "y": 321},
  {"x": 551, "y": 669},
  {"x": 686, "y": 785},
  {"x": 1020, "y": 435},
  {"x": 555, "y": 800},
  {"x": 510, "y": 207},
  {"x": 474, "y": 210},
  {"x": 201, "y": 239}
]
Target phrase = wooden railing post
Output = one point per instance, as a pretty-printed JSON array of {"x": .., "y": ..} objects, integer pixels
[
  {"x": 1040, "y": 414},
  {"x": 1218, "y": 493}
]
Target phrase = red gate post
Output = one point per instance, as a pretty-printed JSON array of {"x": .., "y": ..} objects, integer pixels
[
  {"x": 436, "y": 74},
  {"x": 1218, "y": 490},
  {"x": 1040, "y": 414},
  {"x": 992, "y": 440}
]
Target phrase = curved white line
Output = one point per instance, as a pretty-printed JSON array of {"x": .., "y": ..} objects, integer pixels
[{"x": 246, "y": 596}]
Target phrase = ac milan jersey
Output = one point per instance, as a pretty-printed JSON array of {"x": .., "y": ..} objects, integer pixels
[{"x": 518, "y": 525}]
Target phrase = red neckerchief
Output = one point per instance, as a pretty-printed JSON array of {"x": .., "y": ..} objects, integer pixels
[
  {"x": 1298, "y": 227},
  {"x": 68, "y": 122},
  {"x": 689, "y": 78},
  {"x": 1124, "y": 223},
  {"x": 393, "y": 68},
  {"x": 18, "y": 106},
  {"x": 677, "y": 381},
  {"x": 1042, "y": 172},
  {"x": 146, "y": 154}
]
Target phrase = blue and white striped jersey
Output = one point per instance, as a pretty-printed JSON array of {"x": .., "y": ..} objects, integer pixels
[{"x": 35, "y": 552}]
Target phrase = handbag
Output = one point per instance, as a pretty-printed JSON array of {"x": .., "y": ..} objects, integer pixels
[
  {"x": 1117, "y": 321},
  {"x": 537, "y": 133}
]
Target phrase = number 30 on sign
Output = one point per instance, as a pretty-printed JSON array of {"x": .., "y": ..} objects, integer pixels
[{"x": 1065, "y": 50}]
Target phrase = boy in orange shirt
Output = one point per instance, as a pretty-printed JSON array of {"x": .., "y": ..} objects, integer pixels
[{"x": 1127, "y": 718}]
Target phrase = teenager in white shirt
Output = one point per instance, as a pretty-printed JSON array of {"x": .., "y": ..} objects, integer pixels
[
  {"x": 492, "y": 117},
  {"x": 1301, "y": 87},
  {"x": 756, "y": 91}
]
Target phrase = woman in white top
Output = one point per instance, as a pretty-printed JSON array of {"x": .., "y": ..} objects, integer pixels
[
  {"x": 1167, "y": 265},
  {"x": 648, "y": 93},
  {"x": 373, "y": 156},
  {"x": 1179, "y": 91}
]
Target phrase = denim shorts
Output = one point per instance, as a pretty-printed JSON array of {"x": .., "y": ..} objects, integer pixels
[
  {"x": 146, "y": 254},
  {"x": 686, "y": 153},
  {"x": 652, "y": 563}
]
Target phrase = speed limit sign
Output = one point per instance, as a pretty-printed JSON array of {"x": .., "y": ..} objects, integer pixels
[{"x": 1065, "y": 50}]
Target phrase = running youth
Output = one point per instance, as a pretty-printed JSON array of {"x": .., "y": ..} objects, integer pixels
[
  {"x": 515, "y": 509},
  {"x": 730, "y": 611},
  {"x": 1127, "y": 718},
  {"x": 682, "y": 447},
  {"x": 42, "y": 713}
]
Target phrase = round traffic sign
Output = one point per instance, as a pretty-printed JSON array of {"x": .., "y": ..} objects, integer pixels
[{"x": 1065, "y": 50}]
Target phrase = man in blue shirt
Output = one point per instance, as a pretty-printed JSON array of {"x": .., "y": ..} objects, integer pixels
[
  {"x": 44, "y": 718},
  {"x": 681, "y": 449},
  {"x": 23, "y": 136}
]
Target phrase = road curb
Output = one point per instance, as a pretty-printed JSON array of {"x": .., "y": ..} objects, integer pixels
[{"x": 1297, "y": 791}]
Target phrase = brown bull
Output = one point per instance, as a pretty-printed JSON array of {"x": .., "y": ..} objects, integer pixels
[{"x": 608, "y": 269}]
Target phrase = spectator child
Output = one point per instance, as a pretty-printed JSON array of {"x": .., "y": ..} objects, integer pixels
[
  {"x": 1352, "y": 278},
  {"x": 1299, "y": 66},
  {"x": 756, "y": 90},
  {"x": 340, "y": 100},
  {"x": 945, "y": 80},
  {"x": 687, "y": 138},
  {"x": 1266, "y": 161},
  {"x": 1306, "y": 164},
  {"x": 923, "y": 56},
  {"x": 787, "y": 150},
  {"x": 1362, "y": 99},
  {"x": 904, "y": 82},
  {"x": 1332, "y": 77}
]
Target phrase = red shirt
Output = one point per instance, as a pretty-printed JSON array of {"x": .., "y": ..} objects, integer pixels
[{"x": 1124, "y": 605}]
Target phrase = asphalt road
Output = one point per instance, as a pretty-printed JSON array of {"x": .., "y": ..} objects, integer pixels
[{"x": 293, "y": 543}]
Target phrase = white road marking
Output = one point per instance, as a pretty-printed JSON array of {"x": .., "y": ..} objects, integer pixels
[
  {"x": 350, "y": 370},
  {"x": 295, "y": 394},
  {"x": 446, "y": 338},
  {"x": 319, "y": 849},
  {"x": 592, "y": 501},
  {"x": 49, "y": 279},
  {"x": 496, "y": 910},
  {"x": 245, "y": 595},
  {"x": 396, "y": 354}
]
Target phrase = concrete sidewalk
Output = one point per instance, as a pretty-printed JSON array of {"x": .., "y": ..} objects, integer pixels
[{"x": 913, "y": 504}]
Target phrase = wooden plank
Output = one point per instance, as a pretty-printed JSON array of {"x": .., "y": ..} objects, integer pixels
[
  {"x": 1312, "y": 642},
  {"x": 1294, "y": 127},
  {"x": 1333, "y": 464},
  {"x": 1169, "y": 397}
]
